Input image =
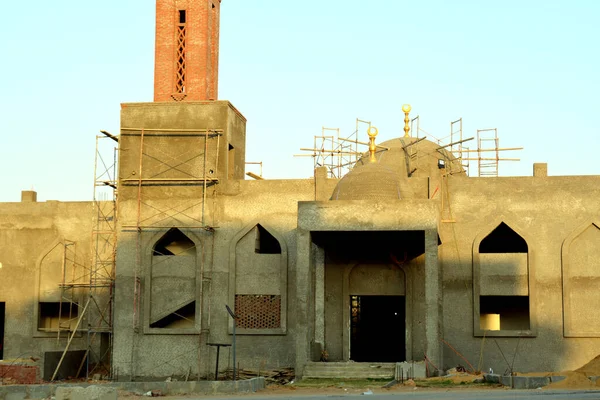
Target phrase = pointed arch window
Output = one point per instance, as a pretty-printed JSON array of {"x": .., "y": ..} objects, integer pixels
[
  {"x": 174, "y": 243},
  {"x": 501, "y": 280},
  {"x": 258, "y": 280},
  {"x": 172, "y": 291}
]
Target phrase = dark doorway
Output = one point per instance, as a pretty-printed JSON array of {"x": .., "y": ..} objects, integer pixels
[
  {"x": 2, "y": 317},
  {"x": 377, "y": 328}
]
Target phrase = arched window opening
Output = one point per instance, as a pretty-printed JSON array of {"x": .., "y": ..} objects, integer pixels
[
  {"x": 265, "y": 242},
  {"x": 174, "y": 243},
  {"x": 503, "y": 283},
  {"x": 503, "y": 240}
]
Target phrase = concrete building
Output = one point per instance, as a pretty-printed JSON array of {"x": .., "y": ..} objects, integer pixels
[{"x": 404, "y": 258}]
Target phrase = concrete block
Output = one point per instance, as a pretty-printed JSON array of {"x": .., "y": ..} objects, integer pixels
[
  {"x": 88, "y": 393},
  {"x": 534, "y": 382},
  {"x": 520, "y": 382},
  {"x": 492, "y": 378},
  {"x": 557, "y": 378},
  {"x": 39, "y": 391},
  {"x": 14, "y": 393},
  {"x": 506, "y": 380}
]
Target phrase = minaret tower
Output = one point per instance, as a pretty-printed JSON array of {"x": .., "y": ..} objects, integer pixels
[{"x": 187, "y": 50}]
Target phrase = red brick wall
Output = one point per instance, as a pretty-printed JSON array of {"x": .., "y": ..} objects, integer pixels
[
  {"x": 202, "y": 49},
  {"x": 19, "y": 374}
]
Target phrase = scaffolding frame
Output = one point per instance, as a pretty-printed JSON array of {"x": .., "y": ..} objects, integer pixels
[
  {"x": 335, "y": 152},
  {"x": 96, "y": 280},
  {"x": 339, "y": 154},
  {"x": 151, "y": 218}
]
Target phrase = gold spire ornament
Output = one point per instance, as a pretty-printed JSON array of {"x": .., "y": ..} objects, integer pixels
[
  {"x": 406, "y": 108},
  {"x": 372, "y": 132}
]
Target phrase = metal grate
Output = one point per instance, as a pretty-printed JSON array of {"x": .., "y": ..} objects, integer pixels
[{"x": 258, "y": 311}]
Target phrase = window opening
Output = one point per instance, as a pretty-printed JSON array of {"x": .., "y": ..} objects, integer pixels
[
  {"x": 180, "y": 55},
  {"x": 174, "y": 243},
  {"x": 185, "y": 317},
  {"x": 55, "y": 314},
  {"x": 503, "y": 240},
  {"x": 258, "y": 311},
  {"x": 504, "y": 312},
  {"x": 265, "y": 242}
]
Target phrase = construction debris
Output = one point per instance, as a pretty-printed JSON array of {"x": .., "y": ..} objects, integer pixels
[{"x": 281, "y": 376}]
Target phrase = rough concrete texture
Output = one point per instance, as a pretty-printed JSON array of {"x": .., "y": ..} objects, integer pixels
[
  {"x": 35, "y": 239},
  {"x": 15, "y": 392},
  {"x": 191, "y": 158},
  {"x": 86, "y": 393},
  {"x": 523, "y": 382}
]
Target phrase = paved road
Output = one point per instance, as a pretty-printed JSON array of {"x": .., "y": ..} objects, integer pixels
[{"x": 430, "y": 395}]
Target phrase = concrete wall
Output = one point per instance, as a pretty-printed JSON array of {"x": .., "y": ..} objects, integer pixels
[
  {"x": 34, "y": 240},
  {"x": 556, "y": 216},
  {"x": 548, "y": 212}
]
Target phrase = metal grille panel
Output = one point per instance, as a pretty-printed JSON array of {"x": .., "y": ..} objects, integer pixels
[{"x": 258, "y": 311}]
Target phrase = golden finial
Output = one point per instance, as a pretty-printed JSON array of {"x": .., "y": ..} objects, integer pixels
[
  {"x": 406, "y": 108},
  {"x": 372, "y": 132}
]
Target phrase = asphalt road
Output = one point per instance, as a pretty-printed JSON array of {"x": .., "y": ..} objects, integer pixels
[{"x": 427, "y": 395}]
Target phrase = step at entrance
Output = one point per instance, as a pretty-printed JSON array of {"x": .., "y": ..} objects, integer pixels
[{"x": 349, "y": 370}]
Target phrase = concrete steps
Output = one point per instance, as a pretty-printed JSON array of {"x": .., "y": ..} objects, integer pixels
[{"x": 349, "y": 370}]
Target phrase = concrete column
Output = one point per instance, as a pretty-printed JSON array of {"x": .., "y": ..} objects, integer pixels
[
  {"x": 321, "y": 192},
  {"x": 319, "y": 254},
  {"x": 433, "y": 298},
  {"x": 304, "y": 301}
]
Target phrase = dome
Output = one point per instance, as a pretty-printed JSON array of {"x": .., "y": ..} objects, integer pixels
[
  {"x": 371, "y": 181},
  {"x": 397, "y": 160},
  {"x": 412, "y": 157}
]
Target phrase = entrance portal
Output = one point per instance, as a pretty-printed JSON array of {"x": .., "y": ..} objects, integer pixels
[
  {"x": 377, "y": 328},
  {"x": 2, "y": 315}
]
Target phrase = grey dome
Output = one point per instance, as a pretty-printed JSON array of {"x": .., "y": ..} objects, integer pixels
[{"x": 371, "y": 181}]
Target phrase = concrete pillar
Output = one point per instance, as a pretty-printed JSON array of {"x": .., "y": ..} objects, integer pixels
[
  {"x": 321, "y": 192},
  {"x": 433, "y": 299},
  {"x": 540, "y": 169},
  {"x": 304, "y": 300},
  {"x": 28, "y": 196}
]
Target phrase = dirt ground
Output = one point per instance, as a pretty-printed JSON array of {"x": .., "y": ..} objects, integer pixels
[
  {"x": 338, "y": 387},
  {"x": 578, "y": 379}
]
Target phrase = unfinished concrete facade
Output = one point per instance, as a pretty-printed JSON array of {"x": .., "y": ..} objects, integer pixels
[{"x": 388, "y": 264}]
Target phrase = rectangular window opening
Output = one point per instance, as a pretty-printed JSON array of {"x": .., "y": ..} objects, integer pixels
[
  {"x": 182, "y": 16},
  {"x": 504, "y": 313},
  {"x": 55, "y": 315}
]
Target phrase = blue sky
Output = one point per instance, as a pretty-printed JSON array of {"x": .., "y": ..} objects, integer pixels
[{"x": 528, "y": 68}]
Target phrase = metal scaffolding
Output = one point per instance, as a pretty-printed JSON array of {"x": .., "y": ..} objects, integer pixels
[
  {"x": 93, "y": 284},
  {"x": 340, "y": 154},
  {"x": 194, "y": 169},
  {"x": 337, "y": 153}
]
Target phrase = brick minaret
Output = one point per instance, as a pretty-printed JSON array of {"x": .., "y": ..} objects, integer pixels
[{"x": 187, "y": 50}]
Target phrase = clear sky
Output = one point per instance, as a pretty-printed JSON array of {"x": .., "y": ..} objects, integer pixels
[{"x": 529, "y": 68}]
